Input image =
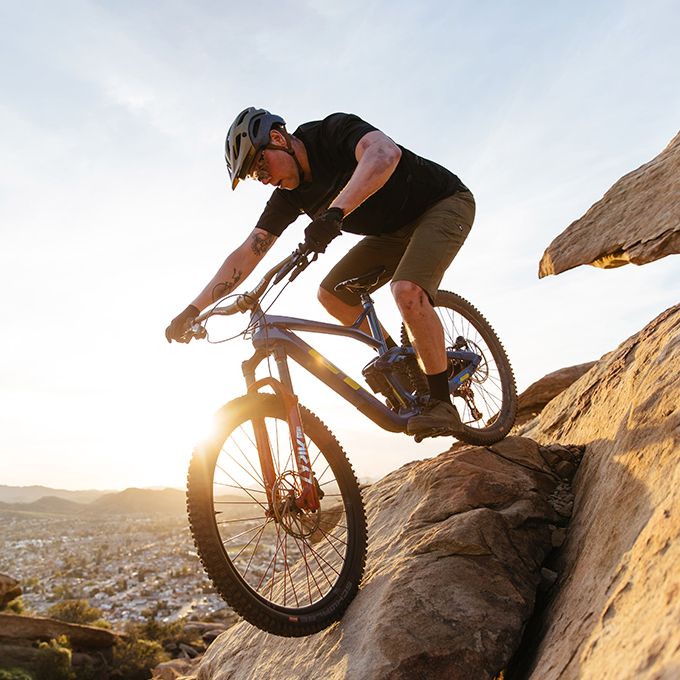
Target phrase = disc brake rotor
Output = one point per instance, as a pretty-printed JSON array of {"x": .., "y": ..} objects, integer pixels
[{"x": 294, "y": 521}]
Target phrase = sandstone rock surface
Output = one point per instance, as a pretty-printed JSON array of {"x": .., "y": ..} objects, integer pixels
[
  {"x": 637, "y": 220},
  {"x": 456, "y": 545},
  {"x": 616, "y": 612},
  {"x": 174, "y": 670},
  {"x": 538, "y": 394}
]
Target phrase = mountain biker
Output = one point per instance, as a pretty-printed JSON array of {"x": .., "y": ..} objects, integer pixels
[{"x": 346, "y": 175}]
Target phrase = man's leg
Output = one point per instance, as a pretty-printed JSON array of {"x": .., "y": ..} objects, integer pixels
[
  {"x": 422, "y": 324},
  {"x": 427, "y": 336},
  {"x": 439, "y": 234}
]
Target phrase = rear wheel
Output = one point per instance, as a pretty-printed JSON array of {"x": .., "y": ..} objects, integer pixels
[
  {"x": 289, "y": 572},
  {"x": 487, "y": 401}
]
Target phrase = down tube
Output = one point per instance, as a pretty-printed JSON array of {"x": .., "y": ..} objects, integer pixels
[{"x": 341, "y": 383}]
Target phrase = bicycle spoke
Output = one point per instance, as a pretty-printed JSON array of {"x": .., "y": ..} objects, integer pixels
[
  {"x": 243, "y": 533},
  {"x": 241, "y": 487},
  {"x": 241, "y": 520},
  {"x": 258, "y": 536}
]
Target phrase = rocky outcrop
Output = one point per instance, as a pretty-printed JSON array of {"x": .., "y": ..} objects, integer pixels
[
  {"x": 20, "y": 637},
  {"x": 616, "y": 606},
  {"x": 455, "y": 554},
  {"x": 637, "y": 220},
  {"x": 538, "y": 394},
  {"x": 9, "y": 590},
  {"x": 15, "y": 627}
]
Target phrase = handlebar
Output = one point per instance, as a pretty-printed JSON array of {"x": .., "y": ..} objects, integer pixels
[{"x": 294, "y": 265}]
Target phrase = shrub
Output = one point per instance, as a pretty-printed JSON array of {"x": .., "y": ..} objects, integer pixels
[
  {"x": 169, "y": 635},
  {"x": 16, "y": 605},
  {"x": 74, "y": 611},
  {"x": 14, "y": 674},
  {"x": 54, "y": 661},
  {"x": 134, "y": 659}
]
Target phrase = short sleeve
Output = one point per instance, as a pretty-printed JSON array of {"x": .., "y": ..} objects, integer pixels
[
  {"x": 343, "y": 131},
  {"x": 278, "y": 213}
]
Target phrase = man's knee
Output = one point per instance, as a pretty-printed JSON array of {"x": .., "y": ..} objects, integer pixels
[{"x": 409, "y": 295}]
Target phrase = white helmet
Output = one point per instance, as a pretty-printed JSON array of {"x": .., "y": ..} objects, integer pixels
[{"x": 247, "y": 135}]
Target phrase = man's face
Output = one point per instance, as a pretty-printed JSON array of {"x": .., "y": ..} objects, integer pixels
[{"x": 275, "y": 166}]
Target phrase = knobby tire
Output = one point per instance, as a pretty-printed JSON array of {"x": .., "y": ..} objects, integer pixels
[{"x": 310, "y": 604}]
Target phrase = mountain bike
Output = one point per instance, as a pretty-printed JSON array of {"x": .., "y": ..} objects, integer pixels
[{"x": 274, "y": 506}]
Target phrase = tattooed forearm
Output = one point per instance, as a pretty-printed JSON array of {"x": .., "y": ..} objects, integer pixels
[
  {"x": 222, "y": 289},
  {"x": 261, "y": 243}
]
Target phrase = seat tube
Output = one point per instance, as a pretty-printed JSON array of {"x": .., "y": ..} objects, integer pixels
[{"x": 372, "y": 318}]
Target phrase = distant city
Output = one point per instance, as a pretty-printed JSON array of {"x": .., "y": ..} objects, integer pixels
[{"x": 130, "y": 553}]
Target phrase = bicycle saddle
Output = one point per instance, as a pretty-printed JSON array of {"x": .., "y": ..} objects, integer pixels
[{"x": 360, "y": 284}]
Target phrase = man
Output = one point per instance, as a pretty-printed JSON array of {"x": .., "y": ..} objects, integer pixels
[{"x": 348, "y": 176}]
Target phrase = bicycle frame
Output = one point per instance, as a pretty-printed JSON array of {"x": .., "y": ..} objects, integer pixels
[{"x": 275, "y": 336}]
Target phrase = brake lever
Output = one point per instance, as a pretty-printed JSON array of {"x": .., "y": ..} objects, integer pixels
[
  {"x": 297, "y": 261},
  {"x": 302, "y": 264}
]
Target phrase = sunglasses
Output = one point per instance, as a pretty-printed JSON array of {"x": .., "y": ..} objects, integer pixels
[{"x": 259, "y": 170}]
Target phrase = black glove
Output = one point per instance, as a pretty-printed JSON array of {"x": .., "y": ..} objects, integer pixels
[
  {"x": 323, "y": 230},
  {"x": 179, "y": 325}
]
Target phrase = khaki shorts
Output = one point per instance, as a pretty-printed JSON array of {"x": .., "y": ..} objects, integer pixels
[{"x": 419, "y": 252}]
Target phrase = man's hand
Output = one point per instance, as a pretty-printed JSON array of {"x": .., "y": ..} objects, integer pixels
[
  {"x": 323, "y": 230},
  {"x": 180, "y": 324}
]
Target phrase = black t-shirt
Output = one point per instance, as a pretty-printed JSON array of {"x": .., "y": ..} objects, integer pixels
[{"x": 415, "y": 185}]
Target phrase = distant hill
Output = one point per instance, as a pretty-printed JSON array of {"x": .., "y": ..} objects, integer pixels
[
  {"x": 127, "y": 502},
  {"x": 28, "y": 494},
  {"x": 130, "y": 501},
  {"x": 140, "y": 501},
  {"x": 51, "y": 504}
]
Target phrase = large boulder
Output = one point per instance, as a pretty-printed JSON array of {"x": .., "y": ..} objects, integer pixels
[
  {"x": 637, "y": 220},
  {"x": 538, "y": 394},
  {"x": 456, "y": 545},
  {"x": 617, "y": 607}
]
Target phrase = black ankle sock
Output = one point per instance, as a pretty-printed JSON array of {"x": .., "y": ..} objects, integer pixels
[{"x": 439, "y": 386}]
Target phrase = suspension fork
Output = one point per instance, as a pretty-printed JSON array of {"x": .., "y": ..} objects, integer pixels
[{"x": 308, "y": 499}]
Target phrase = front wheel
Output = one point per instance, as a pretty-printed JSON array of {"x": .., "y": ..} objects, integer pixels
[
  {"x": 487, "y": 400},
  {"x": 287, "y": 571}
]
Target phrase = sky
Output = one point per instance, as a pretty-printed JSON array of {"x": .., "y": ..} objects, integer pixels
[{"x": 115, "y": 210}]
